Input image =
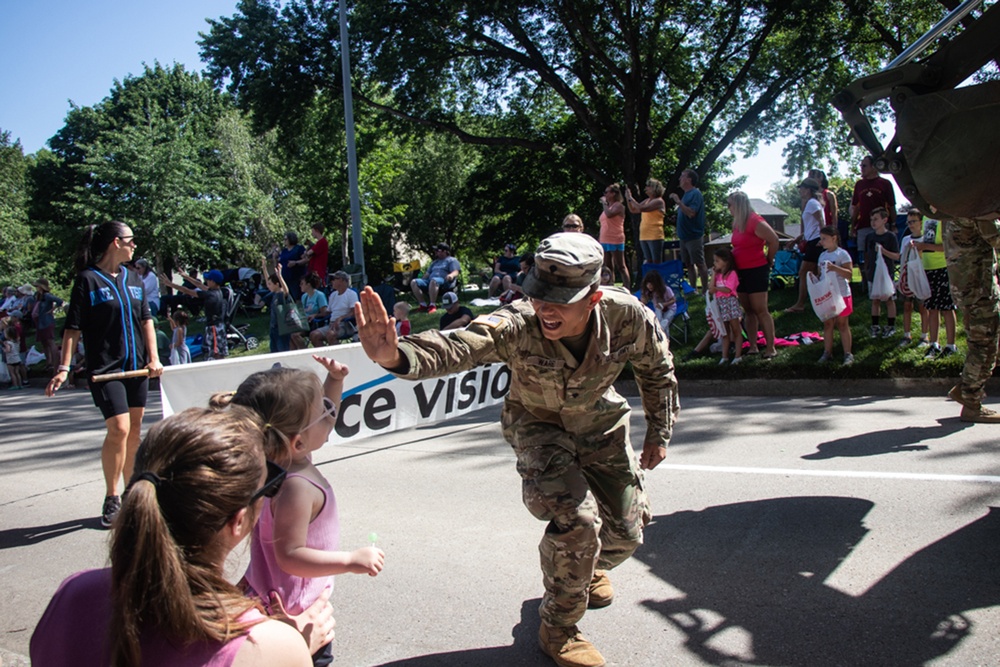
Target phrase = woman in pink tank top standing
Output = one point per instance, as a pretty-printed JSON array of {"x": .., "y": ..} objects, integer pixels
[{"x": 754, "y": 246}]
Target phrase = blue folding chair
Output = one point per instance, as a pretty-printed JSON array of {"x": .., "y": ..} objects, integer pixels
[{"x": 672, "y": 273}]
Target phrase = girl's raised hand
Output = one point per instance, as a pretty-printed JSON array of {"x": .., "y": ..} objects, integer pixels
[{"x": 337, "y": 370}]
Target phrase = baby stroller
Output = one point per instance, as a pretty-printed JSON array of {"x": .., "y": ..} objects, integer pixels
[
  {"x": 246, "y": 283},
  {"x": 786, "y": 268},
  {"x": 235, "y": 335}
]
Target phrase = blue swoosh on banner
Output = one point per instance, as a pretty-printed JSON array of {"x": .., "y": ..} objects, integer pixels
[{"x": 389, "y": 377}]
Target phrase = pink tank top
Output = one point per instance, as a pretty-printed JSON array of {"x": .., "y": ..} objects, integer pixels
[
  {"x": 612, "y": 229},
  {"x": 748, "y": 248},
  {"x": 265, "y": 576},
  {"x": 73, "y": 631}
]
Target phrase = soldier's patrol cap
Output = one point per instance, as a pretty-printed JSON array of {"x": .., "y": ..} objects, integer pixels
[{"x": 567, "y": 265}]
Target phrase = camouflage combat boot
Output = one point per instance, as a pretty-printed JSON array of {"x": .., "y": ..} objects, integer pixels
[
  {"x": 601, "y": 592},
  {"x": 955, "y": 394},
  {"x": 980, "y": 415},
  {"x": 568, "y": 647}
]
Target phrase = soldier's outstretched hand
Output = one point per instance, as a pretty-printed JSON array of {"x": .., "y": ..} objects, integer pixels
[{"x": 377, "y": 330}]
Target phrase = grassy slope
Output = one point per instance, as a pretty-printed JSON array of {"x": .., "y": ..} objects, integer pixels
[{"x": 873, "y": 358}]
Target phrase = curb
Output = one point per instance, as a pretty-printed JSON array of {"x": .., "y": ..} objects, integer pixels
[{"x": 800, "y": 388}]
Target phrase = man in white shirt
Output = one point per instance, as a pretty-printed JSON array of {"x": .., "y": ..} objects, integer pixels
[{"x": 341, "y": 306}]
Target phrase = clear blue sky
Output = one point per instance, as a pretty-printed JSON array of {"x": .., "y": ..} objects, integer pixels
[{"x": 54, "y": 51}]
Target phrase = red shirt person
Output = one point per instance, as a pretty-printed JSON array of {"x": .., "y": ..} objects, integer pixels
[
  {"x": 870, "y": 193},
  {"x": 319, "y": 254}
]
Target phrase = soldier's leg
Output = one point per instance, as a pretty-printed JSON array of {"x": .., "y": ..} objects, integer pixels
[
  {"x": 555, "y": 490},
  {"x": 972, "y": 274},
  {"x": 617, "y": 484}
]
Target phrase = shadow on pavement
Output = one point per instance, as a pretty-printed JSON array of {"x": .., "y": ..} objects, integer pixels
[
  {"x": 524, "y": 650},
  {"x": 22, "y": 537},
  {"x": 762, "y": 566},
  {"x": 889, "y": 441}
]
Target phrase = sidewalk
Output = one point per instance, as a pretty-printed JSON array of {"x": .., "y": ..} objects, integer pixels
[{"x": 788, "y": 531}]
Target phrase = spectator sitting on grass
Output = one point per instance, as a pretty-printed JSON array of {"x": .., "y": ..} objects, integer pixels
[{"x": 458, "y": 316}]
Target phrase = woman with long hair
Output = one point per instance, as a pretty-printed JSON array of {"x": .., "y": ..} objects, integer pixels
[
  {"x": 754, "y": 245},
  {"x": 652, "y": 210},
  {"x": 107, "y": 307},
  {"x": 830, "y": 208},
  {"x": 612, "y": 234},
  {"x": 199, "y": 486},
  {"x": 812, "y": 222}
]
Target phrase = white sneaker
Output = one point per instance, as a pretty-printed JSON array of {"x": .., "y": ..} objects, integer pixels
[
  {"x": 888, "y": 332},
  {"x": 824, "y": 359},
  {"x": 933, "y": 352},
  {"x": 737, "y": 361},
  {"x": 905, "y": 341},
  {"x": 723, "y": 361},
  {"x": 848, "y": 359}
]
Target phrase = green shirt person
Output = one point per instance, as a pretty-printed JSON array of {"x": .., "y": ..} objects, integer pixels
[{"x": 565, "y": 345}]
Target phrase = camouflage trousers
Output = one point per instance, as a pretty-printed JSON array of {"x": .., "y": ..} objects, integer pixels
[
  {"x": 970, "y": 248},
  {"x": 590, "y": 490}
]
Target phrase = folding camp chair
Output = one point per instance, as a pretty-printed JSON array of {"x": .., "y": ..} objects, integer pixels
[{"x": 672, "y": 273}]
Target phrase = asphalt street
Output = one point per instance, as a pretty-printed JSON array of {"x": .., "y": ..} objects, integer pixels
[{"x": 798, "y": 531}]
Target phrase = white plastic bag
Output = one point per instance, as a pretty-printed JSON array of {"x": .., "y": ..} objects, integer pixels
[
  {"x": 913, "y": 277},
  {"x": 33, "y": 357},
  {"x": 824, "y": 293},
  {"x": 882, "y": 289},
  {"x": 714, "y": 316}
]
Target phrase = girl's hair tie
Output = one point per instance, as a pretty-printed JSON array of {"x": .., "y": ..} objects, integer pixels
[{"x": 150, "y": 477}]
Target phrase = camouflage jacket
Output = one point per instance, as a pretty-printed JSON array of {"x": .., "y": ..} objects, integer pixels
[{"x": 546, "y": 379}]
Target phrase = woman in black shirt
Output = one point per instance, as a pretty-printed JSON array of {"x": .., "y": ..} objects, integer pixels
[{"x": 108, "y": 309}]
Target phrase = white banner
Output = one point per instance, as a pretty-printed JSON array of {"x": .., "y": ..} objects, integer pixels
[{"x": 375, "y": 401}]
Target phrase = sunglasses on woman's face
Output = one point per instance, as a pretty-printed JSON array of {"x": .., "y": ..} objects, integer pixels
[{"x": 275, "y": 477}]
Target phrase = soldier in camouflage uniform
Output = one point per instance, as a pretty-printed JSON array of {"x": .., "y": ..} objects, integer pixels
[
  {"x": 970, "y": 248},
  {"x": 565, "y": 345}
]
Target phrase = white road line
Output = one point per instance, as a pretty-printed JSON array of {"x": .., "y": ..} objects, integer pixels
[{"x": 925, "y": 477}]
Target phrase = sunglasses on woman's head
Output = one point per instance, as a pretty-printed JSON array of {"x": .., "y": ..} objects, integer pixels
[{"x": 275, "y": 477}]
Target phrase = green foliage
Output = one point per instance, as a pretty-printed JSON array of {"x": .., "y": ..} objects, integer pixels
[
  {"x": 168, "y": 154},
  {"x": 16, "y": 249}
]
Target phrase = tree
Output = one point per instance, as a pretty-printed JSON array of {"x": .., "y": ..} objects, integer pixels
[
  {"x": 165, "y": 153},
  {"x": 561, "y": 97},
  {"x": 619, "y": 89},
  {"x": 16, "y": 249}
]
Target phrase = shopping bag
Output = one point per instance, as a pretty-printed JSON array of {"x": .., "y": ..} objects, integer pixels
[
  {"x": 882, "y": 289},
  {"x": 913, "y": 280},
  {"x": 902, "y": 284},
  {"x": 824, "y": 293},
  {"x": 33, "y": 357},
  {"x": 714, "y": 316},
  {"x": 291, "y": 319}
]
